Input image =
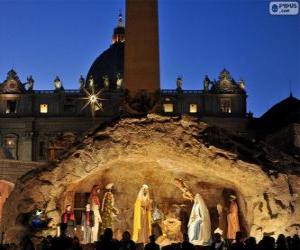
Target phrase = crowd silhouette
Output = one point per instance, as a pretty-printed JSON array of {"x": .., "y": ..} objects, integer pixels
[{"x": 107, "y": 242}]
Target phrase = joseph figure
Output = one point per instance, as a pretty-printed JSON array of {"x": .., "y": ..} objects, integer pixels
[{"x": 142, "y": 216}]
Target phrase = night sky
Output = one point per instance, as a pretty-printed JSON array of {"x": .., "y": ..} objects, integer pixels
[{"x": 45, "y": 38}]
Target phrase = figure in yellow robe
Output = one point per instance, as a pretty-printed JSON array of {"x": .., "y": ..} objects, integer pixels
[
  {"x": 142, "y": 216},
  {"x": 233, "y": 218}
]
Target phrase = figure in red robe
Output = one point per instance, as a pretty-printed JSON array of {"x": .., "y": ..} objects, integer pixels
[{"x": 68, "y": 222}]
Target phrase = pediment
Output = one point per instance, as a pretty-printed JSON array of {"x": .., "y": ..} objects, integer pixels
[{"x": 12, "y": 84}]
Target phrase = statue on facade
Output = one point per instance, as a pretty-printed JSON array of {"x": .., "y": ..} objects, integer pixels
[
  {"x": 106, "y": 81},
  {"x": 108, "y": 210},
  {"x": 242, "y": 84},
  {"x": 57, "y": 84},
  {"x": 95, "y": 206},
  {"x": 179, "y": 83},
  {"x": 87, "y": 224},
  {"x": 81, "y": 82},
  {"x": 119, "y": 82},
  {"x": 142, "y": 216},
  {"x": 233, "y": 218},
  {"x": 30, "y": 83},
  {"x": 199, "y": 227},
  {"x": 206, "y": 83},
  {"x": 91, "y": 82},
  {"x": 68, "y": 222}
]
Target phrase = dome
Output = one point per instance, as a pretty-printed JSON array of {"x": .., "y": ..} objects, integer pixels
[
  {"x": 110, "y": 63},
  {"x": 283, "y": 113}
]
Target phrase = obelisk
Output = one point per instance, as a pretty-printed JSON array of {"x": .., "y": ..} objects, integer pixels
[{"x": 141, "y": 46}]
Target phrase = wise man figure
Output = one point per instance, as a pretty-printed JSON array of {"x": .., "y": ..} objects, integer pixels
[
  {"x": 87, "y": 224},
  {"x": 142, "y": 216},
  {"x": 232, "y": 218},
  {"x": 108, "y": 210},
  {"x": 68, "y": 222},
  {"x": 95, "y": 206}
]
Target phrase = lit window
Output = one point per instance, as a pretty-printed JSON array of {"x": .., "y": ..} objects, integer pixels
[
  {"x": 225, "y": 105},
  {"x": 193, "y": 108},
  {"x": 168, "y": 107},
  {"x": 44, "y": 108},
  {"x": 11, "y": 107},
  {"x": 11, "y": 142}
]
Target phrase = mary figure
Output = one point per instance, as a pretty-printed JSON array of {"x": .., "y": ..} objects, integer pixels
[{"x": 199, "y": 228}]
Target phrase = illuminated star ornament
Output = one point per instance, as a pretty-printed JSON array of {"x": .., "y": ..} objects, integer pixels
[{"x": 92, "y": 99}]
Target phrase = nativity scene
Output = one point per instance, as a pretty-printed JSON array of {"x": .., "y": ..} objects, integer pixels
[{"x": 167, "y": 221}]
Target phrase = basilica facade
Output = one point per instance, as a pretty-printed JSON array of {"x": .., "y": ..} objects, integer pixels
[{"x": 37, "y": 125}]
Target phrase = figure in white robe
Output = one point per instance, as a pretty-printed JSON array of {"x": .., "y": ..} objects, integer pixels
[{"x": 199, "y": 226}]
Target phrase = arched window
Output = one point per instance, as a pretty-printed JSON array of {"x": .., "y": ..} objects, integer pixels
[
  {"x": 11, "y": 143},
  {"x": 225, "y": 105}
]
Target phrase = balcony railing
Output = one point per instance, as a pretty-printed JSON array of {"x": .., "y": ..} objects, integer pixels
[
  {"x": 68, "y": 91},
  {"x": 163, "y": 91},
  {"x": 174, "y": 91}
]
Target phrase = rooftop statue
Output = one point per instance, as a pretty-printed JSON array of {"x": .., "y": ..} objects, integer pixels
[
  {"x": 91, "y": 82},
  {"x": 179, "y": 83},
  {"x": 242, "y": 84},
  {"x": 206, "y": 83},
  {"x": 106, "y": 81},
  {"x": 57, "y": 84},
  {"x": 81, "y": 82},
  {"x": 119, "y": 82},
  {"x": 30, "y": 83}
]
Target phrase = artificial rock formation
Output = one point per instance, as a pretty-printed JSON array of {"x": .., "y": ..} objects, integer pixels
[{"x": 154, "y": 150}]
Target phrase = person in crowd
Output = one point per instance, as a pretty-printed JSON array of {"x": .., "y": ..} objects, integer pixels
[
  {"x": 267, "y": 243},
  {"x": 76, "y": 244},
  {"x": 239, "y": 242},
  {"x": 281, "y": 243},
  {"x": 296, "y": 242},
  {"x": 126, "y": 242},
  {"x": 26, "y": 244},
  {"x": 186, "y": 245},
  {"x": 106, "y": 241},
  {"x": 152, "y": 245},
  {"x": 251, "y": 244},
  {"x": 46, "y": 243},
  {"x": 218, "y": 243},
  {"x": 289, "y": 242}
]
